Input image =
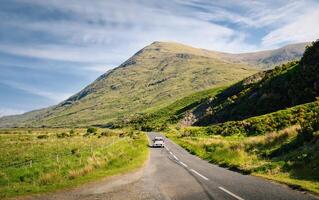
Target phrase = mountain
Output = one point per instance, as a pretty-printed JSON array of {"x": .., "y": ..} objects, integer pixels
[
  {"x": 281, "y": 90},
  {"x": 154, "y": 77},
  {"x": 292, "y": 84},
  {"x": 268, "y": 59}
]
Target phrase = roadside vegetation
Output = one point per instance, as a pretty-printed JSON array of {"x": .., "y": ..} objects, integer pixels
[
  {"x": 258, "y": 125},
  {"x": 289, "y": 156},
  {"x": 42, "y": 160}
]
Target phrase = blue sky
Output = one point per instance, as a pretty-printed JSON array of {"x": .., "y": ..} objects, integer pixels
[{"x": 51, "y": 49}]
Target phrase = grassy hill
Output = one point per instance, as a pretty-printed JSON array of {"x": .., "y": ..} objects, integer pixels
[
  {"x": 291, "y": 84},
  {"x": 154, "y": 77},
  {"x": 268, "y": 59}
]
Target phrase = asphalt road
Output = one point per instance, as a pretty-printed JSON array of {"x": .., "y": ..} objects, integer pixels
[{"x": 173, "y": 173}]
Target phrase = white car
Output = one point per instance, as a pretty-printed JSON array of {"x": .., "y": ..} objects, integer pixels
[{"x": 158, "y": 142}]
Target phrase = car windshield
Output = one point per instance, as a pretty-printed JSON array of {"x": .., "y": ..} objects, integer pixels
[{"x": 158, "y": 139}]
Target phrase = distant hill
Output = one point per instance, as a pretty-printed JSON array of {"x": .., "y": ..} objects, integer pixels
[
  {"x": 270, "y": 58},
  {"x": 154, "y": 77}
]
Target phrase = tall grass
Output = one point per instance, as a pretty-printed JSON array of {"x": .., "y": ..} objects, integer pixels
[
  {"x": 32, "y": 165},
  {"x": 274, "y": 155}
]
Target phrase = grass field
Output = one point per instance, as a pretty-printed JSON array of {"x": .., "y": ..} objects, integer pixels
[
  {"x": 282, "y": 155},
  {"x": 159, "y": 119},
  {"x": 42, "y": 160}
]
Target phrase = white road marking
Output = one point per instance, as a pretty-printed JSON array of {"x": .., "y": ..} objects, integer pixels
[
  {"x": 200, "y": 175},
  {"x": 166, "y": 148},
  {"x": 175, "y": 157},
  {"x": 230, "y": 193},
  {"x": 171, "y": 153},
  {"x": 183, "y": 164}
]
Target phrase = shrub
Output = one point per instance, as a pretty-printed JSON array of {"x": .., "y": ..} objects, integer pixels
[
  {"x": 72, "y": 132},
  {"x": 42, "y": 136},
  {"x": 91, "y": 130},
  {"x": 62, "y": 135},
  {"x": 48, "y": 178}
]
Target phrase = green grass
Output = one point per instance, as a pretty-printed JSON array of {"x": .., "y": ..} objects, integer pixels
[
  {"x": 286, "y": 156},
  {"x": 258, "y": 125},
  {"x": 31, "y": 165},
  {"x": 159, "y": 119}
]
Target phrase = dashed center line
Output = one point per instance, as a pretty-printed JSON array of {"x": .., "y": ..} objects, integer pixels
[
  {"x": 230, "y": 193},
  {"x": 202, "y": 176},
  {"x": 194, "y": 171},
  {"x": 199, "y": 174},
  {"x": 183, "y": 164}
]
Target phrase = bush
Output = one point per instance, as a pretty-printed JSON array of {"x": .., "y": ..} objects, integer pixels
[
  {"x": 72, "y": 132},
  {"x": 62, "y": 135},
  {"x": 43, "y": 136},
  {"x": 91, "y": 130}
]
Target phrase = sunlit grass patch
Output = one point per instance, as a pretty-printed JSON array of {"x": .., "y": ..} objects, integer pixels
[
  {"x": 31, "y": 164},
  {"x": 272, "y": 155}
]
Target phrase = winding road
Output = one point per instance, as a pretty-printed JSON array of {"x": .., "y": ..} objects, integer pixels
[{"x": 173, "y": 173}]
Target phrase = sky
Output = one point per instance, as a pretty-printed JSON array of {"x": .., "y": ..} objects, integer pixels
[{"x": 51, "y": 49}]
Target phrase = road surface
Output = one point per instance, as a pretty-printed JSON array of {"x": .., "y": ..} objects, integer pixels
[{"x": 173, "y": 173}]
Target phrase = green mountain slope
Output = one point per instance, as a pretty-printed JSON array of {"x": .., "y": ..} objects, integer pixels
[
  {"x": 286, "y": 86},
  {"x": 154, "y": 77},
  {"x": 291, "y": 84}
]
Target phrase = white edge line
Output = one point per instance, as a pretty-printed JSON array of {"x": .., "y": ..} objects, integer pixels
[
  {"x": 171, "y": 153},
  {"x": 175, "y": 157},
  {"x": 230, "y": 193},
  {"x": 200, "y": 175},
  {"x": 183, "y": 164}
]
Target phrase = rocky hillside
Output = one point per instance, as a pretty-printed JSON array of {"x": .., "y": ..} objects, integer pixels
[{"x": 153, "y": 78}]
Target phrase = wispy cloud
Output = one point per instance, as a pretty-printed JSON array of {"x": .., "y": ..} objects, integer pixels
[
  {"x": 10, "y": 111},
  {"x": 55, "y": 97},
  {"x": 63, "y": 53},
  {"x": 98, "y": 68},
  {"x": 303, "y": 28}
]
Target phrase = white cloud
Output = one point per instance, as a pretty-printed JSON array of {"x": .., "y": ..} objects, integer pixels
[
  {"x": 10, "y": 111},
  {"x": 97, "y": 68},
  {"x": 303, "y": 28},
  {"x": 127, "y": 26},
  {"x": 63, "y": 52},
  {"x": 53, "y": 96}
]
